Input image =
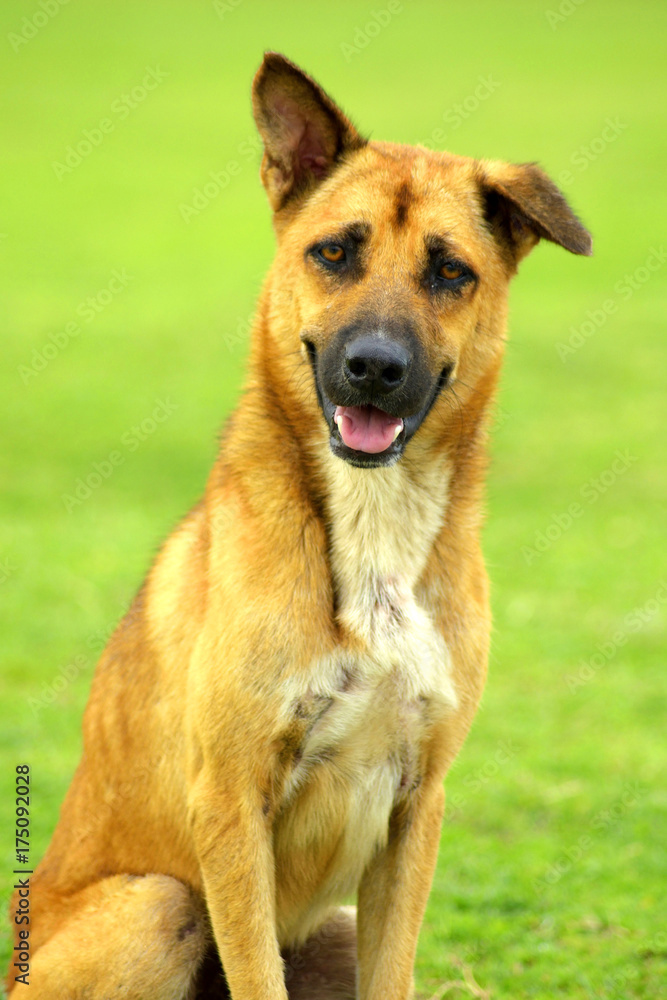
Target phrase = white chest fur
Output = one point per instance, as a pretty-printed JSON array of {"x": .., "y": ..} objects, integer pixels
[
  {"x": 367, "y": 706},
  {"x": 383, "y": 524}
]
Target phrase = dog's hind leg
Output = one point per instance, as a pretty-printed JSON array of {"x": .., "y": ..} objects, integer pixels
[
  {"x": 325, "y": 966},
  {"x": 134, "y": 938}
]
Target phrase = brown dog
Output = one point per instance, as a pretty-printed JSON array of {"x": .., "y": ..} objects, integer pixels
[{"x": 269, "y": 727}]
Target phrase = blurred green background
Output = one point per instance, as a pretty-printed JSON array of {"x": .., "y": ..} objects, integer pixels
[{"x": 128, "y": 280}]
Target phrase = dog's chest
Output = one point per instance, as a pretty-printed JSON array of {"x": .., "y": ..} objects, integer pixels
[
  {"x": 392, "y": 663},
  {"x": 365, "y": 712},
  {"x": 360, "y": 717}
]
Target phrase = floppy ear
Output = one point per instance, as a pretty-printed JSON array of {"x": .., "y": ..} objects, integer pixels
[
  {"x": 523, "y": 206},
  {"x": 304, "y": 133}
]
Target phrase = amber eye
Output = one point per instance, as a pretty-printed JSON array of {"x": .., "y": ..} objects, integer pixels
[
  {"x": 333, "y": 253},
  {"x": 451, "y": 271}
]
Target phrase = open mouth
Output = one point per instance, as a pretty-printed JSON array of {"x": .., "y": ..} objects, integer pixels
[
  {"x": 365, "y": 435},
  {"x": 366, "y": 428}
]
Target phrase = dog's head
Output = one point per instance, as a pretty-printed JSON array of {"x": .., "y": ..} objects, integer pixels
[{"x": 392, "y": 268}]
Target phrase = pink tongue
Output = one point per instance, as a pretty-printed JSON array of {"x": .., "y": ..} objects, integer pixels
[{"x": 365, "y": 428}]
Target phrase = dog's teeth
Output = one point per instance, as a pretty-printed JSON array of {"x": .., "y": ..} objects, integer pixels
[
  {"x": 339, "y": 420},
  {"x": 397, "y": 430}
]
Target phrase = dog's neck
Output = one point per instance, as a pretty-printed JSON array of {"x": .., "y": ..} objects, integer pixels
[{"x": 382, "y": 526}]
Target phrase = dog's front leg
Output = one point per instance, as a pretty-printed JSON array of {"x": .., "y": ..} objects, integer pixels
[
  {"x": 393, "y": 895},
  {"x": 233, "y": 843}
]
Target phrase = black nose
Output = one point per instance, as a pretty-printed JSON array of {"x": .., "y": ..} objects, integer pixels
[{"x": 376, "y": 365}]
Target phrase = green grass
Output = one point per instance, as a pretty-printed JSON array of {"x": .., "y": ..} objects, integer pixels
[{"x": 550, "y": 760}]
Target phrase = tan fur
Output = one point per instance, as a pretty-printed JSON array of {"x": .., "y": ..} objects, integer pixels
[{"x": 269, "y": 727}]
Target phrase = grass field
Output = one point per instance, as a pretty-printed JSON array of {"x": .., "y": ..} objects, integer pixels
[{"x": 128, "y": 279}]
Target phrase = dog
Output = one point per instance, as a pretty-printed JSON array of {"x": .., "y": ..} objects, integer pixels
[{"x": 269, "y": 727}]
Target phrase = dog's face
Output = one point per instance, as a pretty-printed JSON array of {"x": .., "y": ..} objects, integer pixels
[{"x": 393, "y": 264}]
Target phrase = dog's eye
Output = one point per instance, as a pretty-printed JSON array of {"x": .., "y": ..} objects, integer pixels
[
  {"x": 449, "y": 276},
  {"x": 451, "y": 271},
  {"x": 333, "y": 253}
]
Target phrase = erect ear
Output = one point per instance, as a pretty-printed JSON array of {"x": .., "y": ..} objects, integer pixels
[
  {"x": 523, "y": 206},
  {"x": 304, "y": 133}
]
